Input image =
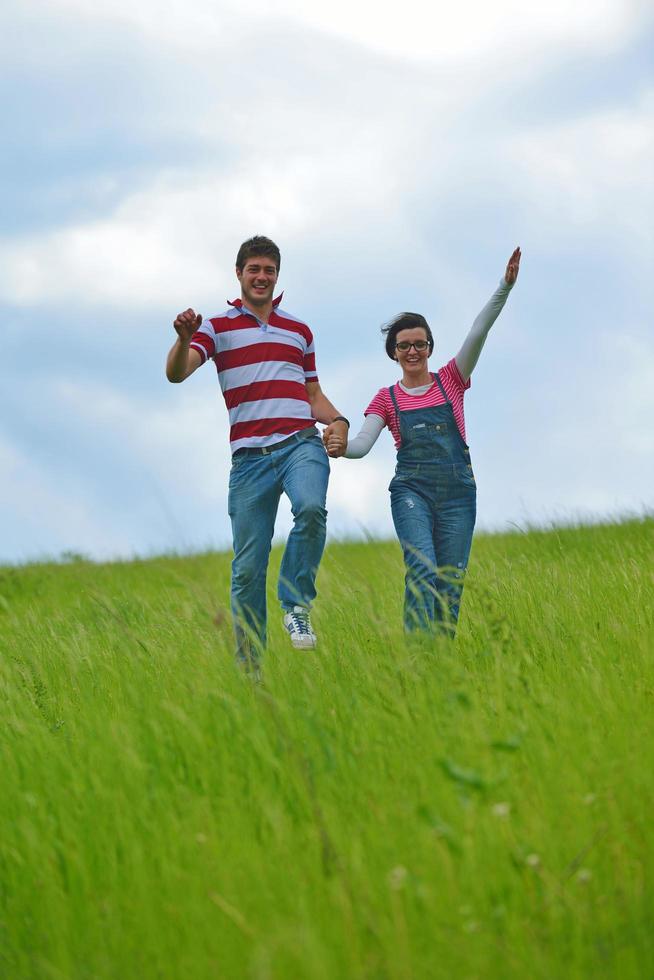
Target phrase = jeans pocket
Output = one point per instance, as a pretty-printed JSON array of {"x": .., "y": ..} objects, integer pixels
[
  {"x": 405, "y": 473},
  {"x": 237, "y": 466},
  {"x": 404, "y": 476},
  {"x": 238, "y": 480},
  {"x": 463, "y": 474}
]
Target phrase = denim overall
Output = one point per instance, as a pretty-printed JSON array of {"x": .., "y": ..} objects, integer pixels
[{"x": 434, "y": 505}]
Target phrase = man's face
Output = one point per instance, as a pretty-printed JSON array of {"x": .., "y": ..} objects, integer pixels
[{"x": 257, "y": 278}]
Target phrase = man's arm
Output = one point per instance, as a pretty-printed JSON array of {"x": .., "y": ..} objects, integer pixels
[
  {"x": 182, "y": 359},
  {"x": 323, "y": 411}
]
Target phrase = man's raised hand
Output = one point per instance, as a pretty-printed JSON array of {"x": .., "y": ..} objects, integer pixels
[
  {"x": 513, "y": 267},
  {"x": 186, "y": 324}
]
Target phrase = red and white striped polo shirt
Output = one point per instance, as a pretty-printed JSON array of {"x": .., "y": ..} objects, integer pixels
[
  {"x": 262, "y": 369},
  {"x": 454, "y": 385}
]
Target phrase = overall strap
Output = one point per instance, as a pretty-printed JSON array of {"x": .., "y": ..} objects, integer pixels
[
  {"x": 443, "y": 392},
  {"x": 394, "y": 399},
  {"x": 392, "y": 394}
]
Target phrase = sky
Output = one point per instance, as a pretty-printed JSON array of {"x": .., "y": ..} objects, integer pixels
[{"x": 397, "y": 156}]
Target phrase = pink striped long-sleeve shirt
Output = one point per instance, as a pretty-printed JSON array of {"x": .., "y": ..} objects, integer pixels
[{"x": 454, "y": 385}]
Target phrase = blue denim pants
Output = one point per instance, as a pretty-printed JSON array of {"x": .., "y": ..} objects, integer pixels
[
  {"x": 434, "y": 510},
  {"x": 300, "y": 470}
]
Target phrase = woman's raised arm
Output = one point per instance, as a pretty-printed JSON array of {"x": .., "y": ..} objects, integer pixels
[{"x": 471, "y": 348}]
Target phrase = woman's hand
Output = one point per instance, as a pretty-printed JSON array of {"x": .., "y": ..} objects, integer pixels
[
  {"x": 335, "y": 443},
  {"x": 513, "y": 267},
  {"x": 336, "y": 447}
]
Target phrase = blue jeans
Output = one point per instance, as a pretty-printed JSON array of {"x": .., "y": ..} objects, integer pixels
[
  {"x": 434, "y": 510},
  {"x": 301, "y": 471}
]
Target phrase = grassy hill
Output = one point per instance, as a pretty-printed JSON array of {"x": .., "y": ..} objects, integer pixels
[{"x": 374, "y": 809}]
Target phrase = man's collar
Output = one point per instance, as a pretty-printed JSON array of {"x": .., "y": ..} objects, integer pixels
[{"x": 238, "y": 303}]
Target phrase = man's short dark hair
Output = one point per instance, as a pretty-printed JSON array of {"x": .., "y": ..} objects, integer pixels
[
  {"x": 404, "y": 321},
  {"x": 258, "y": 245}
]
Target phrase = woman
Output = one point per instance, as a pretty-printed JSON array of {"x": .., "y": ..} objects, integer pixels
[{"x": 433, "y": 492}]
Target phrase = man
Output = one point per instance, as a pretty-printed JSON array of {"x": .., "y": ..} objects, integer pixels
[{"x": 267, "y": 372}]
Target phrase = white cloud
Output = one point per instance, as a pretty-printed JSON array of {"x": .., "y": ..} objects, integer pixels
[
  {"x": 449, "y": 33},
  {"x": 442, "y": 33},
  {"x": 173, "y": 242},
  {"x": 592, "y": 171},
  {"x": 49, "y": 514},
  {"x": 177, "y": 238},
  {"x": 157, "y": 243},
  {"x": 574, "y": 439},
  {"x": 342, "y": 161},
  {"x": 196, "y": 25},
  {"x": 180, "y": 444},
  {"x": 132, "y": 474},
  {"x": 358, "y": 495}
]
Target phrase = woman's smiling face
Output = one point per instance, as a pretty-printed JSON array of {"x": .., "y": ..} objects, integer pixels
[{"x": 413, "y": 362}]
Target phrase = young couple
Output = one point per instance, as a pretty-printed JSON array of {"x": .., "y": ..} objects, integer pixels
[{"x": 266, "y": 364}]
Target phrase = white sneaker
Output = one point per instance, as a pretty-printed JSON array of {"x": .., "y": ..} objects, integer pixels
[{"x": 298, "y": 626}]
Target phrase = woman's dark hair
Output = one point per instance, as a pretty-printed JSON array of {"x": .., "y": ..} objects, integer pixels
[
  {"x": 259, "y": 245},
  {"x": 404, "y": 321}
]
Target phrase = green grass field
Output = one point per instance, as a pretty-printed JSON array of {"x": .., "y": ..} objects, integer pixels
[{"x": 481, "y": 809}]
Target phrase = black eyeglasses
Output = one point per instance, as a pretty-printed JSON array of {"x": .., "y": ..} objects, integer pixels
[{"x": 419, "y": 345}]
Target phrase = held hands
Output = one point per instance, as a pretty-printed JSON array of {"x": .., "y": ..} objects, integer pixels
[
  {"x": 186, "y": 324},
  {"x": 513, "y": 267},
  {"x": 335, "y": 439}
]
